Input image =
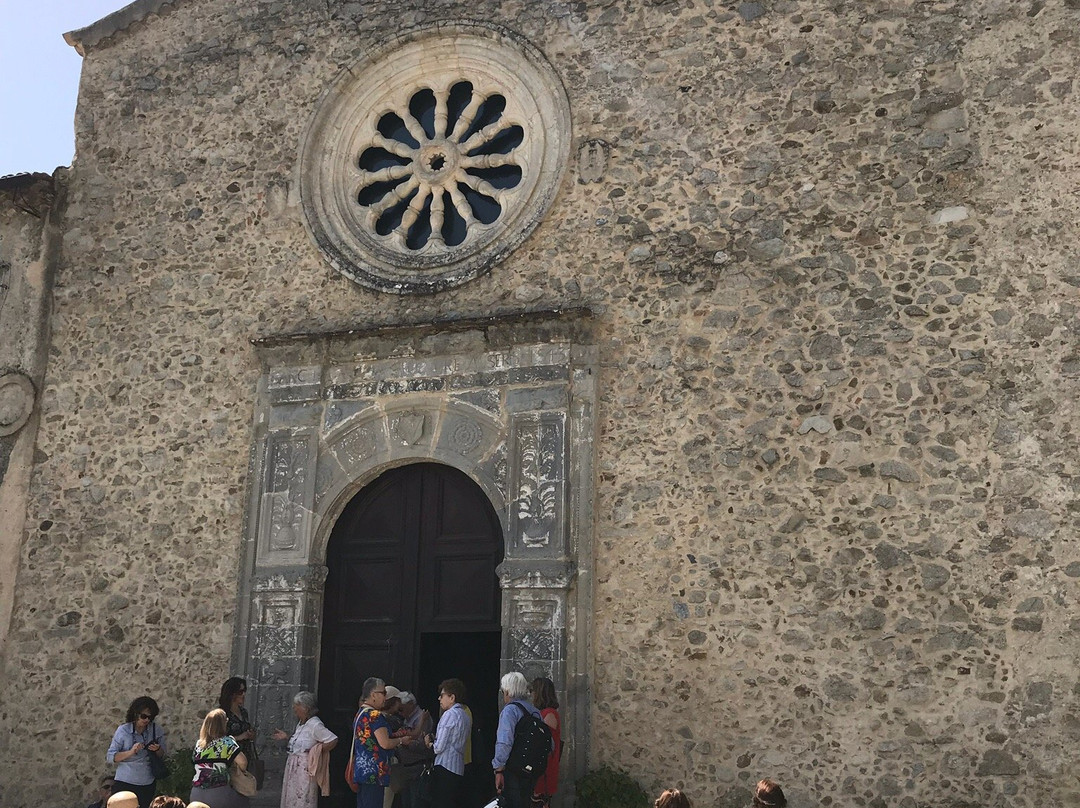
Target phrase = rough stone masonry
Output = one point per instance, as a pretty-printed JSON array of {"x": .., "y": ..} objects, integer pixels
[{"x": 826, "y": 531}]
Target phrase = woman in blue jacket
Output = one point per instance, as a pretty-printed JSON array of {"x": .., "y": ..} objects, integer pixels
[{"x": 132, "y": 744}]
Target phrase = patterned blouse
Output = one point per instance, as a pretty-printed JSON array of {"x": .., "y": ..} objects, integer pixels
[
  {"x": 238, "y": 725},
  {"x": 371, "y": 763},
  {"x": 212, "y": 762}
]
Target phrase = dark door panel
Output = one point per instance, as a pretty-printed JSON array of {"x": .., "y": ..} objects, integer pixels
[
  {"x": 461, "y": 594},
  {"x": 415, "y": 551}
]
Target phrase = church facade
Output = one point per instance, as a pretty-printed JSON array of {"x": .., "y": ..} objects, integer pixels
[{"x": 716, "y": 360}]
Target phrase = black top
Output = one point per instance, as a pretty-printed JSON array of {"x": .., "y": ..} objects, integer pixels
[{"x": 238, "y": 725}]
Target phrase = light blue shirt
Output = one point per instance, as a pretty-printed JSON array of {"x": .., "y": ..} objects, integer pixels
[
  {"x": 135, "y": 770},
  {"x": 450, "y": 737},
  {"x": 504, "y": 736}
]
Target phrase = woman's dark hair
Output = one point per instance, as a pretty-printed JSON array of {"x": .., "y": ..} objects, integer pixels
[
  {"x": 769, "y": 794},
  {"x": 672, "y": 798},
  {"x": 140, "y": 704},
  {"x": 232, "y": 686},
  {"x": 455, "y": 687},
  {"x": 161, "y": 801},
  {"x": 543, "y": 694}
]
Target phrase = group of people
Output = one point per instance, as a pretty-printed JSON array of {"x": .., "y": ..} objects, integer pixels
[
  {"x": 398, "y": 753},
  {"x": 388, "y": 754},
  {"x": 225, "y": 750}
]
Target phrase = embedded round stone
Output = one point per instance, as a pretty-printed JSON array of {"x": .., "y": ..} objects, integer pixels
[{"x": 16, "y": 402}]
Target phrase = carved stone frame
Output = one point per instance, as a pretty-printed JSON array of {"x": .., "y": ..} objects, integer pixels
[{"x": 508, "y": 401}]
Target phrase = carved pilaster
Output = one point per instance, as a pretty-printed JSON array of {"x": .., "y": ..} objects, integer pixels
[
  {"x": 288, "y": 496},
  {"x": 535, "y": 595},
  {"x": 538, "y": 485},
  {"x": 285, "y": 620}
]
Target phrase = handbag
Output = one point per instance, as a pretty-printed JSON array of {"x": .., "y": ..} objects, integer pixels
[
  {"x": 350, "y": 773},
  {"x": 158, "y": 767},
  {"x": 423, "y": 786},
  {"x": 242, "y": 781},
  {"x": 257, "y": 767}
]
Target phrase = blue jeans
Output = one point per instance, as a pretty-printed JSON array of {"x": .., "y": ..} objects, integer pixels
[{"x": 369, "y": 796}]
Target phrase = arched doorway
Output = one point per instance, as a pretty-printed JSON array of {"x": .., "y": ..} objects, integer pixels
[{"x": 412, "y": 597}]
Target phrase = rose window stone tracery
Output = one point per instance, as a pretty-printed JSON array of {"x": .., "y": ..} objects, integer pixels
[
  {"x": 430, "y": 159},
  {"x": 440, "y": 167}
]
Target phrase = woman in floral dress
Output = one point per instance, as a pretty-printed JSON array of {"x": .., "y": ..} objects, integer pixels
[
  {"x": 299, "y": 789},
  {"x": 371, "y": 746}
]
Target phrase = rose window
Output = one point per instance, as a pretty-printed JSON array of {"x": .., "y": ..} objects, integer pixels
[
  {"x": 431, "y": 159},
  {"x": 439, "y": 167}
]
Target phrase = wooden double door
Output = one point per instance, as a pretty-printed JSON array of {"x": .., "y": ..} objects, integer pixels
[{"x": 412, "y": 596}]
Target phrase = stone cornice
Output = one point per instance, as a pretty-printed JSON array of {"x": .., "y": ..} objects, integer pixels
[
  {"x": 461, "y": 323},
  {"x": 96, "y": 32}
]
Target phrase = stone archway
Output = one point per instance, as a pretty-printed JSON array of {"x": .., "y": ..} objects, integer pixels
[{"x": 514, "y": 414}]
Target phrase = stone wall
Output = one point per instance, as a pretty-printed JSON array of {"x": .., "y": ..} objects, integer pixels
[
  {"x": 831, "y": 252},
  {"x": 30, "y": 210}
]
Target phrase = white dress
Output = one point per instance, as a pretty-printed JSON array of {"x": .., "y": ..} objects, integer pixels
[{"x": 299, "y": 789}]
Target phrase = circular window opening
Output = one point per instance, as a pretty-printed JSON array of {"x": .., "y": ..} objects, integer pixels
[{"x": 430, "y": 160}]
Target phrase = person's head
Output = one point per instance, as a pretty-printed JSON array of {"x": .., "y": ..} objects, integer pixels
[
  {"x": 673, "y": 798},
  {"x": 123, "y": 799},
  {"x": 304, "y": 705},
  {"x": 161, "y": 801},
  {"x": 197, "y": 804},
  {"x": 408, "y": 703},
  {"x": 393, "y": 700},
  {"x": 232, "y": 694},
  {"x": 514, "y": 685},
  {"x": 213, "y": 727},
  {"x": 142, "y": 712},
  {"x": 451, "y": 692},
  {"x": 768, "y": 794},
  {"x": 542, "y": 693},
  {"x": 373, "y": 693}
]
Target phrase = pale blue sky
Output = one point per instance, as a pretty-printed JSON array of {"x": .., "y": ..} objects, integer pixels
[{"x": 39, "y": 80}]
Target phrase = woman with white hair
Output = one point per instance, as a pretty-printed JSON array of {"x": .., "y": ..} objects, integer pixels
[
  {"x": 300, "y": 788},
  {"x": 371, "y": 745}
]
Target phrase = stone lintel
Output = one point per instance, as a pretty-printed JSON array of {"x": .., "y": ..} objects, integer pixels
[{"x": 422, "y": 328}]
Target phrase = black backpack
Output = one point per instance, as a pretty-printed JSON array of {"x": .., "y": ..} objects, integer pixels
[{"x": 532, "y": 745}]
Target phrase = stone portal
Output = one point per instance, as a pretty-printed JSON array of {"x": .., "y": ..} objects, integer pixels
[{"x": 509, "y": 402}]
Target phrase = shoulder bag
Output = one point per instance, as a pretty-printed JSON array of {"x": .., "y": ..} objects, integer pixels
[
  {"x": 350, "y": 772},
  {"x": 158, "y": 767},
  {"x": 242, "y": 781},
  {"x": 257, "y": 767}
]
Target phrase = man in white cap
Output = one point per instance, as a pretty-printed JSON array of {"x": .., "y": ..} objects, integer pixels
[
  {"x": 392, "y": 711},
  {"x": 413, "y": 754}
]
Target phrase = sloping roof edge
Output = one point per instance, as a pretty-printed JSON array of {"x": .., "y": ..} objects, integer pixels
[{"x": 104, "y": 28}]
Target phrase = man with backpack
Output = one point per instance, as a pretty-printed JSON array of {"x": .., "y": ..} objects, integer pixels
[{"x": 522, "y": 744}]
